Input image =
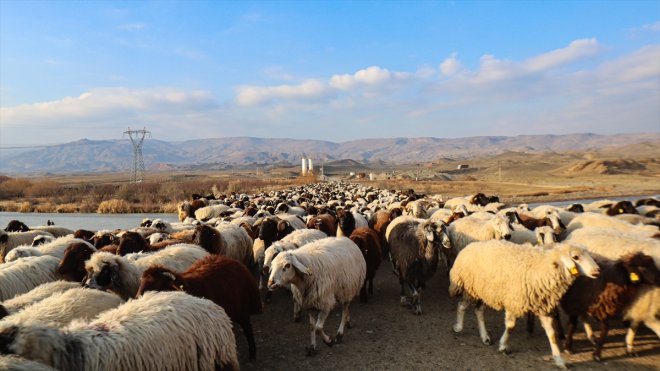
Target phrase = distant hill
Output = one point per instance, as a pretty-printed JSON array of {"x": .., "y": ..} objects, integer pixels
[{"x": 116, "y": 155}]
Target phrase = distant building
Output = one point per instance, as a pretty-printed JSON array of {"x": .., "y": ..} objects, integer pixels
[{"x": 462, "y": 166}]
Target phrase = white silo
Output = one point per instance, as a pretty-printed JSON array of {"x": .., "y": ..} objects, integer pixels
[
  {"x": 310, "y": 166},
  {"x": 304, "y": 166}
]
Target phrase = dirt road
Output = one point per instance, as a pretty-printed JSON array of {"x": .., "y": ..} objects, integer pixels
[{"x": 387, "y": 336}]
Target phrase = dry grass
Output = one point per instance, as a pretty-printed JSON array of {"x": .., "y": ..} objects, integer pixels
[{"x": 114, "y": 207}]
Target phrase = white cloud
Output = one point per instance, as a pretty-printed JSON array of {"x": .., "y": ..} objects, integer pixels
[
  {"x": 451, "y": 65},
  {"x": 652, "y": 27},
  {"x": 309, "y": 90},
  {"x": 132, "y": 26},
  {"x": 575, "y": 51},
  {"x": 371, "y": 76}
]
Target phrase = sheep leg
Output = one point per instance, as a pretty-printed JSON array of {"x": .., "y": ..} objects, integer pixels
[
  {"x": 604, "y": 327},
  {"x": 558, "y": 326},
  {"x": 371, "y": 286},
  {"x": 509, "y": 324},
  {"x": 246, "y": 325},
  {"x": 269, "y": 294},
  {"x": 363, "y": 292},
  {"x": 460, "y": 314},
  {"x": 568, "y": 343},
  {"x": 345, "y": 317},
  {"x": 630, "y": 338},
  {"x": 403, "y": 291},
  {"x": 297, "y": 309},
  {"x": 416, "y": 301},
  {"x": 319, "y": 327},
  {"x": 311, "y": 349},
  {"x": 589, "y": 332},
  {"x": 548, "y": 325},
  {"x": 530, "y": 323},
  {"x": 483, "y": 332}
]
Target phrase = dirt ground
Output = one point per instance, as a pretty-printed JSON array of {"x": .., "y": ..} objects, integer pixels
[{"x": 387, "y": 336}]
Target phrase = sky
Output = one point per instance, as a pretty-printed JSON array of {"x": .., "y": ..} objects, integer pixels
[{"x": 331, "y": 70}]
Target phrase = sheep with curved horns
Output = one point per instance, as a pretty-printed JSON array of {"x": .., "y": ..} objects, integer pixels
[
  {"x": 518, "y": 279},
  {"x": 35, "y": 295},
  {"x": 63, "y": 307},
  {"x": 23, "y": 275},
  {"x": 11, "y": 240},
  {"x": 466, "y": 230},
  {"x": 415, "y": 246},
  {"x": 321, "y": 273},
  {"x": 159, "y": 331},
  {"x": 122, "y": 276}
]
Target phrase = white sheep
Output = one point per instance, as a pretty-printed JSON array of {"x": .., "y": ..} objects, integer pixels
[
  {"x": 466, "y": 230},
  {"x": 63, "y": 307},
  {"x": 321, "y": 273},
  {"x": 645, "y": 308},
  {"x": 55, "y": 230},
  {"x": 54, "y": 248},
  {"x": 539, "y": 236},
  {"x": 23, "y": 275},
  {"x": 291, "y": 241},
  {"x": 40, "y": 240},
  {"x": 613, "y": 244},
  {"x": 158, "y": 237},
  {"x": 11, "y": 240},
  {"x": 122, "y": 276},
  {"x": 35, "y": 295},
  {"x": 159, "y": 331},
  {"x": 518, "y": 279},
  {"x": 212, "y": 211},
  {"x": 603, "y": 221}
]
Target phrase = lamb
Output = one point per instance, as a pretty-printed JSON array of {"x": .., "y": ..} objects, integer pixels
[
  {"x": 63, "y": 307},
  {"x": 228, "y": 240},
  {"x": 72, "y": 265},
  {"x": 321, "y": 273},
  {"x": 466, "y": 230},
  {"x": 415, "y": 247},
  {"x": 11, "y": 240},
  {"x": 367, "y": 240},
  {"x": 23, "y": 275},
  {"x": 603, "y": 221},
  {"x": 519, "y": 280},
  {"x": 159, "y": 331},
  {"x": 606, "y": 296},
  {"x": 348, "y": 221},
  {"x": 106, "y": 271},
  {"x": 223, "y": 280},
  {"x": 54, "y": 248},
  {"x": 35, "y": 295}
]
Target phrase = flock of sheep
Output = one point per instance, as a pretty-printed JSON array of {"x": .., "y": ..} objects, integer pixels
[{"x": 163, "y": 296}]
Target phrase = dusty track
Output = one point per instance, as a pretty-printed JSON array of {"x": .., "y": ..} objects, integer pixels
[{"x": 387, "y": 336}]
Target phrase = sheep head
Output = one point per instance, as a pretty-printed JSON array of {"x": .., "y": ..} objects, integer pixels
[
  {"x": 103, "y": 271},
  {"x": 501, "y": 227},
  {"x": 641, "y": 269},
  {"x": 158, "y": 278},
  {"x": 577, "y": 261},
  {"x": 286, "y": 268}
]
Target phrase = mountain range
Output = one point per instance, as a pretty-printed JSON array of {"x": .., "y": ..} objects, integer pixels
[{"x": 234, "y": 152}]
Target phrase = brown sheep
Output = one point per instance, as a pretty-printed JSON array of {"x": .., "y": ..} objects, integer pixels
[
  {"x": 325, "y": 223},
  {"x": 223, "y": 280},
  {"x": 368, "y": 242},
  {"x": 72, "y": 265}
]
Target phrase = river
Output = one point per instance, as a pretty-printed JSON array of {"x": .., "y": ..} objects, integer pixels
[{"x": 126, "y": 221}]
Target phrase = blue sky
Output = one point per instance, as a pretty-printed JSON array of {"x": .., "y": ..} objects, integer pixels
[{"x": 334, "y": 70}]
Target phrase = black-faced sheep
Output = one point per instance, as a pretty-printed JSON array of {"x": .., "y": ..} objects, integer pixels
[
  {"x": 223, "y": 280},
  {"x": 226, "y": 239}
]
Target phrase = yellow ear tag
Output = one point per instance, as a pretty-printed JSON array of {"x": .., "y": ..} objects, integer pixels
[
  {"x": 620, "y": 211},
  {"x": 181, "y": 287},
  {"x": 634, "y": 277},
  {"x": 574, "y": 271}
]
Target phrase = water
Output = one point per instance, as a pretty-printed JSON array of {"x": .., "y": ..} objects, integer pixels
[
  {"x": 590, "y": 200},
  {"x": 84, "y": 221}
]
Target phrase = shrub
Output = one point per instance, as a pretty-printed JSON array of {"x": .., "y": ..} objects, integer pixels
[{"x": 114, "y": 206}]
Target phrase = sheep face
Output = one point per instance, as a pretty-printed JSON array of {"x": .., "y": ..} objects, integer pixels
[
  {"x": 578, "y": 262},
  {"x": 641, "y": 269},
  {"x": 146, "y": 222},
  {"x": 103, "y": 277},
  {"x": 501, "y": 227},
  {"x": 576, "y": 208},
  {"x": 285, "y": 269},
  {"x": 555, "y": 223},
  {"x": 545, "y": 235}
]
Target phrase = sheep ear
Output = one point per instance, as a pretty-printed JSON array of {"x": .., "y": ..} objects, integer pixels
[
  {"x": 282, "y": 225},
  {"x": 428, "y": 232},
  {"x": 570, "y": 265},
  {"x": 300, "y": 266}
]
